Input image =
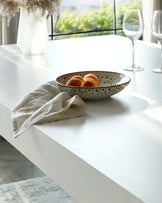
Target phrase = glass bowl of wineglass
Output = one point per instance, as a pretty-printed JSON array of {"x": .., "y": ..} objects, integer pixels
[
  {"x": 156, "y": 28},
  {"x": 133, "y": 28}
]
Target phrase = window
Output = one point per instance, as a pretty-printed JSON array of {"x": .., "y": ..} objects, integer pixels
[{"x": 80, "y": 18}]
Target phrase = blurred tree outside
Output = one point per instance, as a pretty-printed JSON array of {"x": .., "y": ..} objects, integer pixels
[{"x": 100, "y": 20}]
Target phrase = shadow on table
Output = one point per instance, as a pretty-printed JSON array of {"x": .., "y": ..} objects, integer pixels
[{"x": 115, "y": 106}]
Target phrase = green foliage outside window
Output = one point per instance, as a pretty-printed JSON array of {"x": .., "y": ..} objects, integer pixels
[{"x": 94, "y": 19}]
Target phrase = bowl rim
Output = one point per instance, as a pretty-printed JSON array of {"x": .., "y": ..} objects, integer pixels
[{"x": 93, "y": 71}]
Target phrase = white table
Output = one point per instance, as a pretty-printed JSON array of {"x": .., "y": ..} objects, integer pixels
[{"x": 114, "y": 152}]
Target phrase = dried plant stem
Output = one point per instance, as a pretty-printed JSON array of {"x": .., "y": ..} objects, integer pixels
[{"x": 3, "y": 31}]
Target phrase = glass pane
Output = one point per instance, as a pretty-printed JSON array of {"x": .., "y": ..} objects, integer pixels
[
  {"x": 91, "y": 17},
  {"x": 85, "y": 16},
  {"x": 121, "y": 6}
]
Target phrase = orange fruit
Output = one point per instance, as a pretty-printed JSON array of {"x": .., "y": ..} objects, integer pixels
[
  {"x": 89, "y": 82},
  {"x": 92, "y": 76},
  {"x": 74, "y": 82},
  {"x": 78, "y": 77}
]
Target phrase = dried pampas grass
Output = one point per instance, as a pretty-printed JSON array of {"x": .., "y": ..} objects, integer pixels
[
  {"x": 10, "y": 7},
  {"x": 46, "y": 5}
]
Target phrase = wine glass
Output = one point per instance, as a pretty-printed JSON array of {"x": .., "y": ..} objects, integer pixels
[
  {"x": 156, "y": 29},
  {"x": 133, "y": 28}
]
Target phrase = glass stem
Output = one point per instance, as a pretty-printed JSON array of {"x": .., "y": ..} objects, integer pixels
[{"x": 133, "y": 65}]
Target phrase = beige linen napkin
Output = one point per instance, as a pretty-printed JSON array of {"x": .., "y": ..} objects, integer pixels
[{"x": 45, "y": 104}]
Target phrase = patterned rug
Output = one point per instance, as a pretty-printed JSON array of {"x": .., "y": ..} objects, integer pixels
[{"x": 36, "y": 190}]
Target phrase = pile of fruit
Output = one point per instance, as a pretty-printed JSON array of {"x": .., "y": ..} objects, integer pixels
[{"x": 89, "y": 80}]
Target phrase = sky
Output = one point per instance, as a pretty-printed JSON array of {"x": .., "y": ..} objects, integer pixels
[
  {"x": 83, "y": 4},
  {"x": 89, "y": 2}
]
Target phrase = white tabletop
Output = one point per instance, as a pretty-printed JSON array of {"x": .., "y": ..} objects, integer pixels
[{"x": 114, "y": 152}]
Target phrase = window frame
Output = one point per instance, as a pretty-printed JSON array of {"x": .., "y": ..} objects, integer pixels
[{"x": 52, "y": 35}]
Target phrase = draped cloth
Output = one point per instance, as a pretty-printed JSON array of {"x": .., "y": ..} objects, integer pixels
[
  {"x": 8, "y": 33},
  {"x": 45, "y": 104}
]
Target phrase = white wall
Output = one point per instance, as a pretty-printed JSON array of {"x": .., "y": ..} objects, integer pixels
[{"x": 147, "y": 6}]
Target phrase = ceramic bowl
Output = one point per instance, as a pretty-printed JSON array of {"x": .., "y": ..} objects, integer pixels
[{"x": 110, "y": 83}]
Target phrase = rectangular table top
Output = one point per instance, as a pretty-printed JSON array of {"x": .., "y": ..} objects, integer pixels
[{"x": 114, "y": 152}]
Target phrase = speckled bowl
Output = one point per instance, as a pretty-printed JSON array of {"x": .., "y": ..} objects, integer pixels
[{"x": 110, "y": 83}]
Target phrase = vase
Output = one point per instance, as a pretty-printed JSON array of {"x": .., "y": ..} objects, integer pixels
[{"x": 32, "y": 31}]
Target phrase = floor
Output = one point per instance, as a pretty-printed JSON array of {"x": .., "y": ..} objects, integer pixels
[{"x": 14, "y": 166}]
